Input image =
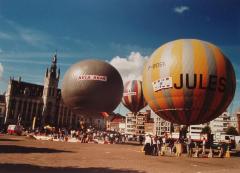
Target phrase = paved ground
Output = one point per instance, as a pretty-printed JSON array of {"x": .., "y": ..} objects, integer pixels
[{"x": 19, "y": 154}]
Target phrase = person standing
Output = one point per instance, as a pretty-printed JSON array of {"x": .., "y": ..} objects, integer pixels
[
  {"x": 189, "y": 146},
  {"x": 155, "y": 146},
  {"x": 148, "y": 144},
  {"x": 140, "y": 139},
  {"x": 171, "y": 145},
  {"x": 203, "y": 145},
  {"x": 160, "y": 143}
]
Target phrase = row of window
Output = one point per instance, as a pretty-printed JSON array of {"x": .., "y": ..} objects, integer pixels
[
  {"x": 22, "y": 109},
  {"x": 27, "y": 109}
]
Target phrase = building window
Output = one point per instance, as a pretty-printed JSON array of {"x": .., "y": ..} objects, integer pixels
[
  {"x": 24, "y": 110},
  {"x": 29, "y": 111},
  {"x": 40, "y": 109},
  {"x": 34, "y": 109}
]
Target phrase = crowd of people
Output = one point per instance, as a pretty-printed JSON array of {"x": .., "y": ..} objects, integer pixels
[
  {"x": 152, "y": 145},
  {"x": 89, "y": 135},
  {"x": 155, "y": 146}
]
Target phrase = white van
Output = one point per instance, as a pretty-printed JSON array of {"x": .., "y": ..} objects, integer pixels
[{"x": 14, "y": 129}]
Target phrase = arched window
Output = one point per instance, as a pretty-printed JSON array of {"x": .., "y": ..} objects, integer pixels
[
  {"x": 49, "y": 110},
  {"x": 34, "y": 108},
  {"x": 65, "y": 116},
  {"x": 29, "y": 111},
  {"x": 40, "y": 109},
  {"x": 12, "y": 108}
]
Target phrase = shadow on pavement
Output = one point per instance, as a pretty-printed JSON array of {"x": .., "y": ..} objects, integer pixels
[
  {"x": 236, "y": 154},
  {"x": 9, "y": 140},
  {"x": 26, "y": 168},
  {"x": 132, "y": 143},
  {"x": 22, "y": 149}
]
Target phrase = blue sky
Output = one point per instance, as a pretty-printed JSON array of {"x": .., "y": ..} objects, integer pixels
[{"x": 124, "y": 32}]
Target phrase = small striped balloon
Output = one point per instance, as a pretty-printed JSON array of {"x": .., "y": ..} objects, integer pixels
[
  {"x": 188, "y": 81},
  {"x": 133, "y": 96}
]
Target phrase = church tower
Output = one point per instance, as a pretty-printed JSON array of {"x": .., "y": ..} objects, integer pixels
[{"x": 51, "y": 80}]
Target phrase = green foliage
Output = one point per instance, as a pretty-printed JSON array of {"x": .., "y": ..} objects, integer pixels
[
  {"x": 231, "y": 131},
  {"x": 206, "y": 130}
]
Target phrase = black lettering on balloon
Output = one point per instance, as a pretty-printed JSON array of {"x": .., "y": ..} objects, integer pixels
[
  {"x": 188, "y": 82},
  {"x": 222, "y": 83},
  {"x": 212, "y": 83},
  {"x": 157, "y": 65},
  {"x": 181, "y": 83}
]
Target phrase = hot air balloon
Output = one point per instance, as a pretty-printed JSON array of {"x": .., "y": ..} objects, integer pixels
[
  {"x": 105, "y": 114},
  {"x": 188, "y": 81},
  {"x": 92, "y": 86},
  {"x": 133, "y": 96}
]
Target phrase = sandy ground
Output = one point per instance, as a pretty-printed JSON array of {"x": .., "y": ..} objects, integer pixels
[{"x": 19, "y": 154}]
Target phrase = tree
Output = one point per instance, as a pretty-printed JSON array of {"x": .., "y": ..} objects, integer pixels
[
  {"x": 183, "y": 131},
  {"x": 206, "y": 130},
  {"x": 231, "y": 131}
]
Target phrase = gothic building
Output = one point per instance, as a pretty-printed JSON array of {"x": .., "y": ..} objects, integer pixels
[
  {"x": 2, "y": 109},
  {"x": 27, "y": 102}
]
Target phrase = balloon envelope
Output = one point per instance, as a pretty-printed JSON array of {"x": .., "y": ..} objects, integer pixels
[
  {"x": 133, "y": 96},
  {"x": 92, "y": 86},
  {"x": 188, "y": 81}
]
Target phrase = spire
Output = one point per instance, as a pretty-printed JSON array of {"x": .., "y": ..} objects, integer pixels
[
  {"x": 53, "y": 68},
  {"x": 46, "y": 74},
  {"x": 58, "y": 75},
  {"x": 54, "y": 58}
]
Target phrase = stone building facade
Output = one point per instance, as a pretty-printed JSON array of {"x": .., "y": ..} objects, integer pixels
[
  {"x": 2, "y": 109},
  {"x": 238, "y": 121},
  {"x": 27, "y": 101},
  {"x": 135, "y": 124}
]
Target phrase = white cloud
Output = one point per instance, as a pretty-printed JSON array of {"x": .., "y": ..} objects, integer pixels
[
  {"x": 29, "y": 61},
  {"x": 25, "y": 34},
  {"x": 130, "y": 67},
  {"x": 1, "y": 50},
  {"x": 1, "y": 71},
  {"x": 129, "y": 48},
  {"x": 181, "y": 9},
  {"x": 5, "y": 36}
]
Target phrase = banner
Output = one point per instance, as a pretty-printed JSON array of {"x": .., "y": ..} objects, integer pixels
[
  {"x": 163, "y": 83},
  {"x": 93, "y": 77}
]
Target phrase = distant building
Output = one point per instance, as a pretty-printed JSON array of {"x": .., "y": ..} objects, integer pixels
[
  {"x": 149, "y": 128},
  {"x": 26, "y": 101},
  {"x": 130, "y": 124},
  {"x": 140, "y": 120},
  {"x": 135, "y": 123},
  {"x": 238, "y": 121},
  {"x": 220, "y": 124},
  {"x": 2, "y": 109},
  {"x": 116, "y": 123},
  {"x": 196, "y": 129},
  {"x": 161, "y": 126}
]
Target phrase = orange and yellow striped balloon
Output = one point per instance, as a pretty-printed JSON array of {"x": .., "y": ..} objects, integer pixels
[{"x": 188, "y": 81}]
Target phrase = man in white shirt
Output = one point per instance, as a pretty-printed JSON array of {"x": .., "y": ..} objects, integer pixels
[
  {"x": 148, "y": 144},
  {"x": 203, "y": 145}
]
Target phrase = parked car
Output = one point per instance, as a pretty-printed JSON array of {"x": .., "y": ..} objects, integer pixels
[{"x": 14, "y": 129}]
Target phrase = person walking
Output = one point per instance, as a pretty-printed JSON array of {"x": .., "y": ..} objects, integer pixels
[
  {"x": 141, "y": 139},
  {"x": 160, "y": 143},
  {"x": 148, "y": 144},
  {"x": 155, "y": 146},
  {"x": 189, "y": 146},
  {"x": 204, "y": 146}
]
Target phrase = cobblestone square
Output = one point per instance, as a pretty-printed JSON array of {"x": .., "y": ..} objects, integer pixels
[{"x": 20, "y": 154}]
